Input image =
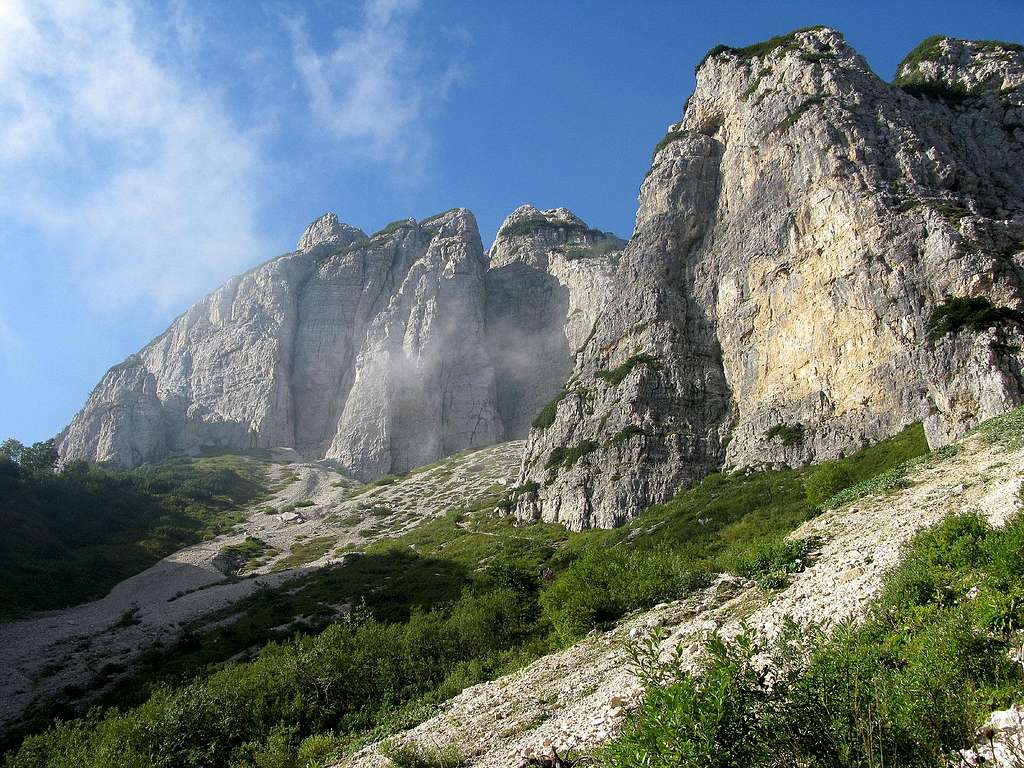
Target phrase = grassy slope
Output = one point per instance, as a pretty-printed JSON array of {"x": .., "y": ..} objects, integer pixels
[
  {"x": 910, "y": 685},
  {"x": 461, "y": 599},
  {"x": 70, "y": 537}
]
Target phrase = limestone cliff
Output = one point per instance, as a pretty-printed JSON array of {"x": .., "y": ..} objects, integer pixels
[
  {"x": 382, "y": 353},
  {"x": 798, "y": 231},
  {"x": 819, "y": 258}
]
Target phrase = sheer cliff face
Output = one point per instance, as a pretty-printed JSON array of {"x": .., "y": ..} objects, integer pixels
[
  {"x": 368, "y": 350},
  {"x": 795, "y": 234},
  {"x": 798, "y": 231},
  {"x": 381, "y": 353},
  {"x": 548, "y": 279}
]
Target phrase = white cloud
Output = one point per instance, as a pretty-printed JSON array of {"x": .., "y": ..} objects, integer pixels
[
  {"x": 143, "y": 175},
  {"x": 373, "y": 90}
]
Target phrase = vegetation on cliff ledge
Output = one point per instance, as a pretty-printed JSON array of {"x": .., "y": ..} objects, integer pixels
[
  {"x": 974, "y": 313},
  {"x": 764, "y": 48}
]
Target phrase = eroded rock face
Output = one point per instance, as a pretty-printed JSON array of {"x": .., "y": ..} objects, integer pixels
[
  {"x": 547, "y": 282},
  {"x": 382, "y": 353},
  {"x": 799, "y": 232},
  {"x": 795, "y": 234}
]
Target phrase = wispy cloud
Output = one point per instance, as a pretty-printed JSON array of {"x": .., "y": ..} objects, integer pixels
[
  {"x": 142, "y": 173},
  {"x": 373, "y": 90}
]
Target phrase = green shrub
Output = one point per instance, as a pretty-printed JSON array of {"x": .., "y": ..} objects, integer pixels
[
  {"x": 927, "y": 50},
  {"x": 770, "y": 562},
  {"x": 790, "y": 120},
  {"x": 789, "y": 434},
  {"x": 668, "y": 138},
  {"x": 720, "y": 717},
  {"x": 547, "y": 414},
  {"x": 509, "y": 499},
  {"x": 394, "y": 226},
  {"x": 974, "y": 313},
  {"x": 603, "y": 585},
  {"x": 235, "y": 558},
  {"x": 950, "y": 212},
  {"x": 626, "y": 434},
  {"x": 827, "y": 480},
  {"x": 1006, "y": 430},
  {"x": 319, "y": 749},
  {"x": 617, "y": 375},
  {"x": 935, "y": 89},
  {"x": 306, "y": 552},
  {"x": 433, "y": 220},
  {"x": 566, "y": 457},
  {"x": 764, "y": 48},
  {"x": 416, "y": 756}
]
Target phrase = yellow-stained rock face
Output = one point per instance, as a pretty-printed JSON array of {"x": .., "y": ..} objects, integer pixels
[{"x": 798, "y": 233}]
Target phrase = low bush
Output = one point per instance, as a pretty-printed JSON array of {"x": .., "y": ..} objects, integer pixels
[
  {"x": 567, "y": 457},
  {"x": 826, "y": 481},
  {"x": 789, "y": 434},
  {"x": 603, "y": 585},
  {"x": 626, "y": 434},
  {"x": 764, "y": 48},
  {"x": 974, "y": 313},
  {"x": 305, "y": 552},
  {"x": 617, "y": 375},
  {"x": 414, "y": 756},
  {"x": 791, "y": 119},
  {"x": 393, "y": 227},
  {"x": 770, "y": 562},
  {"x": 547, "y": 414}
]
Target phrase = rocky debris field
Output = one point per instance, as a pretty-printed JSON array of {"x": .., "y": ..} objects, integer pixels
[
  {"x": 312, "y": 516},
  {"x": 576, "y": 699}
]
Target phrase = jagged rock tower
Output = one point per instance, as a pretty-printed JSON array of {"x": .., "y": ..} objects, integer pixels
[{"x": 819, "y": 259}]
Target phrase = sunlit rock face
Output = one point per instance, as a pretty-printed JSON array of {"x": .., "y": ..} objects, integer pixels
[
  {"x": 799, "y": 232},
  {"x": 382, "y": 353}
]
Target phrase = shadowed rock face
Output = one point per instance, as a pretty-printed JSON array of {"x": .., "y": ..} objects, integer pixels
[{"x": 797, "y": 231}]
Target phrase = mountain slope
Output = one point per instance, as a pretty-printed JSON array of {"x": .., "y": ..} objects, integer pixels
[{"x": 576, "y": 699}]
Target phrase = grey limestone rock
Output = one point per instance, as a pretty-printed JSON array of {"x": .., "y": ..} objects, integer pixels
[{"x": 799, "y": 232}]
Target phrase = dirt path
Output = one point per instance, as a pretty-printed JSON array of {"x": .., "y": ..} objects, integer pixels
[
  {"x": 577, "y": 698},
  {"x": 45, "y": 655}
]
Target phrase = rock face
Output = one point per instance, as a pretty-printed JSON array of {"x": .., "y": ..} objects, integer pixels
[
  {"x": 548, "y": 279},
  {"x": 799, "y": 229},
  {"x": 819, "y": 259},
  {"x": 382, "y": 353}
]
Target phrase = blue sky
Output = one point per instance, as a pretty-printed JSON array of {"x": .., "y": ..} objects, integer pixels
[{"x": 149, "y": 150}]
